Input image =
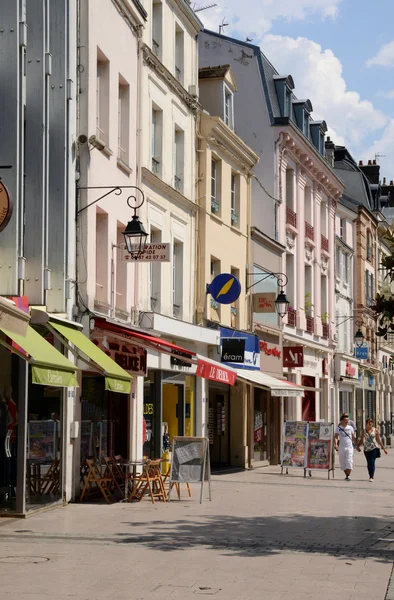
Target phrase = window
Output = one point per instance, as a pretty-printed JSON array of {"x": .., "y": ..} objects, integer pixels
[
  {"x": 177, "y": 278},
  {"x": 339, "y": 265},
  {"x": 157, "y": 127},
  {"x": 179, "y": 53},
  {"x": 215, "y": 186},
  {"x": 288, "y": 103},
  {"x": 179, "y": 158},
  {"x": 215, "y": 306},
  {"x": 369, "y": 247},
  {"x": 157, "y": 27},
  {"x": 235, "y": 199},
  {"x": 102, "y": 244},
  {"x": 123, "y": 121},
  {"x": 306, "y": 124},
  {"x": 228, "y": 107},
  {"x": 102, "y": 98},
  {"x": 121, "y": 286},
  {"x": 155, "y": 274},
  {"x": 369, "y": 288}
]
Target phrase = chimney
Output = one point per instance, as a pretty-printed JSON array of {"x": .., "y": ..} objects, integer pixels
[
  {"x": 330, "y": 152},
  {"x": 384, "y": 181},
  {"x": 360, "y": 164},
  {"x": 371, "y": 170}
]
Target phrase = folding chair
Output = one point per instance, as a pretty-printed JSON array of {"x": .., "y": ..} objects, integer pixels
[
  {"x": 95, "y": 477},
  {"x": 175, "y": 484},
  {"x": 149, "y": 481},
  {"x": 50, "y": 482},
  {"x": 109, "y": 472}
]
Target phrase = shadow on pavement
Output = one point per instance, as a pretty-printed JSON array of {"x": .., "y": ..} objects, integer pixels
[{"x": 343, "y": 536}]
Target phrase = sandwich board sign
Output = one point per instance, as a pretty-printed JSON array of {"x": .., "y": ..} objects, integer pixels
[{"x": 190, "y": 462}]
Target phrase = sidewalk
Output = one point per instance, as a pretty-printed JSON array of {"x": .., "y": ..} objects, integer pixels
[{"x": 263, "y": 536}]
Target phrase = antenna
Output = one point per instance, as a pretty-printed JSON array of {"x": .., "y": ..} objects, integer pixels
[
  {"x": 201, "y": 8},
  {"x": 223, "y": 25},
  {"x": 378, "y": 155}
]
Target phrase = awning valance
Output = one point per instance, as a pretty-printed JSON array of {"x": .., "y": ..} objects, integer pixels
[
  {"x": 49, "y": 366},
  {"x": 116, "y": 378},
  {"x": 12, "y": 318},
  {"x": 277, "y": 387},
  {"x": 215, "y": 371}
]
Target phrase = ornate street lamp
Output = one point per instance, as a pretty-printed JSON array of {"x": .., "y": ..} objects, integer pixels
[
  {"x": 282, "y": 304},
  {"x": 359, "y": 338}
]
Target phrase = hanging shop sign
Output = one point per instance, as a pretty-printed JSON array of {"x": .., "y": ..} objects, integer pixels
[
  {"x": 225, "y": 288},
  {"x": 178, "y": 362},
  {"x": 264, "y": 303},
  {"x": 6, "y": 206},
  {"x": 251, "y": 348},
  {"x": 233, "y": 350},
  {"x": 348, "y": 369},
  {"x": 362, "y": 352},
  {"x": 293, "y": 356},
  {"x": 152, "y": 253}
]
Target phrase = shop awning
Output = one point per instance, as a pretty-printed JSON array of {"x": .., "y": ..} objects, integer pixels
[
  {"x": 49, "y": 366},
  {"x": 145, "y": 340},
  {"x": 12, "y": 318},
  {"x": 277, "y": 387},
  {"x": 116, "y": 378},
  {"x": 215, "y": 371}
]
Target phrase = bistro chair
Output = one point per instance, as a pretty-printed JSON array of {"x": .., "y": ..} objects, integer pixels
[
  {"x": 50, "y": 482},
  {"x": 110, "y": 472},
  {"x": 94, "y": 477},
  {"x": 149, "y": 481},
  {"x": 175, "y": 484}
]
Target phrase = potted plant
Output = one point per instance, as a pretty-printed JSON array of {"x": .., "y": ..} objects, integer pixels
[
  {"x": 308, "y": 304},
  {"x": 325, "y": 318}
]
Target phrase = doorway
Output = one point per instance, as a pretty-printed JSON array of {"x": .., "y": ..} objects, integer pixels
[
  {"x": 309, "y": 399},
  {"x": 219, "y": 420}
]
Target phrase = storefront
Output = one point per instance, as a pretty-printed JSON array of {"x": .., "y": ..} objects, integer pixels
[
  {"x": 35, "y": 380},
  {"x": 347, "y": 382}
]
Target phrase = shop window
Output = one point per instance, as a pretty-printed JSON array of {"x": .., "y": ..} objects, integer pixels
[{"x": 123, "y": 120}]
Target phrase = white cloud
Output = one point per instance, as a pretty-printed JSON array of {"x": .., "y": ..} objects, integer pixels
[
  {"x": 389, "y": 94},
  {"x": 256, "y": 17},
  {"x": 384, "y": 58},
  {"x": 317, "y": 75}
]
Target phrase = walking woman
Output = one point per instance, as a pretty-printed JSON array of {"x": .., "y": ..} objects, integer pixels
[
  {"x": 344, "y": 434},
  {"x": 371, "y": 439}
]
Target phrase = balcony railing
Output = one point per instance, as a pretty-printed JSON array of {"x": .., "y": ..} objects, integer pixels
[
  {"x": 292, "y": 318},
  {"x": 310, "y": 324},
  {"x": 234, "y": 217},
  {"x": 326, "y": 331},
  {"x": 324, "y": 243},
  {"x": 309, "y": 231},
  {"x": 215, "y": 206},
  {"x": 155, "y": 165},
  {"x": 291, "y": 217}
]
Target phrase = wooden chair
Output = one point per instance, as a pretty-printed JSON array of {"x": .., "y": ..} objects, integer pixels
[
  {"x": 175, "y": 484},
  {"x": 94, "y": 477},
  {"x": 149, "y": 481},
  {"x": 110, "y": 473},
  {"x": 50, "y": 482},
  {"x": 119, "y": 473}
]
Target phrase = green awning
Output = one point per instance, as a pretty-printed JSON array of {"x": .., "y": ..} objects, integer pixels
[
  {"x": 49, "y": 366},
  {"x": 116, "y": 378}
]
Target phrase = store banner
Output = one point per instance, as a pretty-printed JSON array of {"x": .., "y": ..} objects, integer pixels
[
  {"x": 251, "y": 352},
  {"x": 233, "y": 350},
  {"x": 208, "y": 370}
]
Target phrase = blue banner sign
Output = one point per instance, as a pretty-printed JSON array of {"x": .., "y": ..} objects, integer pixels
[{"x": 362, "y": 353}]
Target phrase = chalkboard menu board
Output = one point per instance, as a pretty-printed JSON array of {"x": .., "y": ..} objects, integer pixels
[
  {"x": 42, "y": 441},
  {"x": 190, "y": 461}
]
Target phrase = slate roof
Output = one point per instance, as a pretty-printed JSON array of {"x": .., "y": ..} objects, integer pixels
[{"x": 358, "y": 188}]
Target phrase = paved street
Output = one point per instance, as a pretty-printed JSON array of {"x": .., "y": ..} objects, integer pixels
[{"x": 262, "y": 536}]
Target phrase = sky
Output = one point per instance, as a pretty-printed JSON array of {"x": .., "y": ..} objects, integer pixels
[{"x": 340, "y": 54}]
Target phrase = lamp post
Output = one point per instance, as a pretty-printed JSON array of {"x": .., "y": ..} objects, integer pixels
[
  {"x": 135, "y": 235},
  {"x": 281, "y": 303}
]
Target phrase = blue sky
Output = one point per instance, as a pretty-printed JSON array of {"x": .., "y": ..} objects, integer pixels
[{"x": 341, "y": 56}]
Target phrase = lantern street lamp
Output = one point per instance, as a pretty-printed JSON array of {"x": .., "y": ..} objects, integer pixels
[
  {"x": 282, "y": 304},
  {"x": 359, "y": 338}
]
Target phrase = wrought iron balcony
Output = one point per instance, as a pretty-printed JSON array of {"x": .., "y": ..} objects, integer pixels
[
  {"x": 310, "y": 324},
  {"x": 291, "y": 217},
  {"x": 215, "y": 206},
  {"x": 292, "y": 318},
  {"x": 326, "y": 331},
  {"x": 324, "y": 243}
]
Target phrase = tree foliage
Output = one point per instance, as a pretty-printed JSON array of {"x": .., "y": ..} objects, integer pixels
[{"x": 384, "y": 303}]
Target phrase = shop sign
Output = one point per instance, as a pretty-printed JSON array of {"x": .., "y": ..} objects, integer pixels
[
  {"x": 293, "y": 356},
  {"x": 264, "y": 303},
  {"x": 152, "y": 253},
  {"x": 233, "y": 350},
  {"x": 270, "y": 351},
  {"x": 225, "y": 288},
  {"x": 348, "y": 369},
  {"x": 325, "y": 367},
  {"x": 178, "y": 362},
  {"x": 6, "y": 206},
  {"x": 131, "y": 358},
  {"x": 208, "y": 370},
  {"x": 251, "y": 351},
  {"x": 362, "y": 353}
]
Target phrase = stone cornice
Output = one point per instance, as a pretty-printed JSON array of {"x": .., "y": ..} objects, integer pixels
[
  {"x": 167, "y": 190},
  {"x": 222, "y": 135},
  {"x": 133, "y": 13},
  {"x": 189, "y": 15},
  {"x": 154, "y": 63},
  {"x": 312, "y": 164}
]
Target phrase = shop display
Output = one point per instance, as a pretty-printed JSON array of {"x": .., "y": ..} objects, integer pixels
[
  {"x": 211, "y": 433},
  {"x": 42, "y": 441},
  {"x": 307, "y": 445},
  {"x": 320, "y": 437},
  {"x": 220, "y": 418},
  {"x": 294, "y": 444}
]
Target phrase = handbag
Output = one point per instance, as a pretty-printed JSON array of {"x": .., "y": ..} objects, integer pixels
[{"x": 378, "y": 453}]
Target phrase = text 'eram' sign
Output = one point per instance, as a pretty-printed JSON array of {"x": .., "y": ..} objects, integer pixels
[{"x": 225, "y": 288}]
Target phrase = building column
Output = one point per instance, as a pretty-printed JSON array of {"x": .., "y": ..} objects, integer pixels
[
  {"x": 317, "y": 268},
  {"x": 300, "y": 182}
]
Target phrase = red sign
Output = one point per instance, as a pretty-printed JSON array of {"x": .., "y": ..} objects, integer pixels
[
  {"x": 270, "y": 351},
  {"x": 208, "y": 370},
  {"x": 349, "y": 370},
  {"x": 293, "y": 356},
  {"x": 325, "y": 366},
  {"x": 130, "y": 358}
]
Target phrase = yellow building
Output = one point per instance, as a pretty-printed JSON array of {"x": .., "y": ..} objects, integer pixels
[{"x": 225, "y": 166}]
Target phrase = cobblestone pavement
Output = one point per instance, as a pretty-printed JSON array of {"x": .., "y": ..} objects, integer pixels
[{"x": 263, "y": 536}]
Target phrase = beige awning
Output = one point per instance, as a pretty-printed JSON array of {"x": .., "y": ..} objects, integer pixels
[
  {"x": 12, "y": 318},
  {"x": 277, "y": 387}
]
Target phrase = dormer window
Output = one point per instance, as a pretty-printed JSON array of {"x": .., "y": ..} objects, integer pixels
[
  {"x": 306, "y": 124},
  {"x": 228, "y": 107},
  {"x": 288, "y": 103}
]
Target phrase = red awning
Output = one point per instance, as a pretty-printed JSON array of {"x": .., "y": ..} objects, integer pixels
[
  {"x": 215, "y": 371},
  {"x": 145, "y": 339}
]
